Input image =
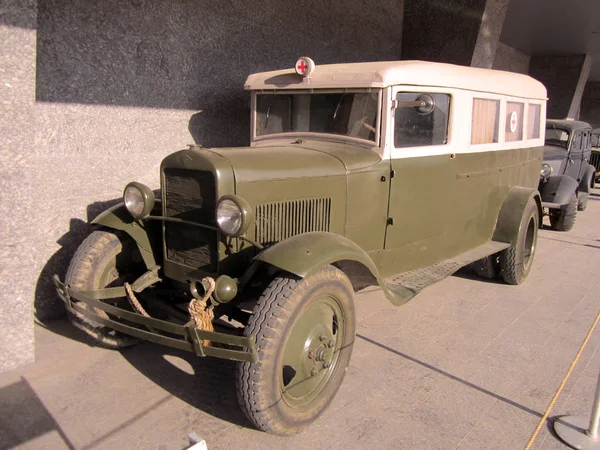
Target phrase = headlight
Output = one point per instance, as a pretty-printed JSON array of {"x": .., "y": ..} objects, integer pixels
[
  {"x": 546, "y": 170},
  {"x": 138, "y": 199},
  {"x": 233, "y": 215}
]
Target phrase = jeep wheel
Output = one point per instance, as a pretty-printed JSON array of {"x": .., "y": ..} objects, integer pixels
[
  {"x": 516, "y": 260},
  {"x": 304, "y": 331},
  {"x": 564, "y": 219},
  {"x": 104, "y": 259}
]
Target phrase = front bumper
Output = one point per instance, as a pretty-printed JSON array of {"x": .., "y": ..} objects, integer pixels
[{"x": 188, "y": 337}]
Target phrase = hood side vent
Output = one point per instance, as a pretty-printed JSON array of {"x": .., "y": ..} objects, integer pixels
[{"x": 281, "y": 220}]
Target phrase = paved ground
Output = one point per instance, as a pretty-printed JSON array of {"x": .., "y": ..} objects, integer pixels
[{"x": 468, "y": 364}]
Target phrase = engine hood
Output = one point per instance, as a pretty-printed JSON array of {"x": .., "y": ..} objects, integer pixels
[
  {"x": 554, "y": 153},
  {"x": 286, "y": 160}
]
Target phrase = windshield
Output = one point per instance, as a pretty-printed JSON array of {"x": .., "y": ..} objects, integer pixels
[
  {"x": 352, "y": 114},
  {"x": 557, "y": 136}
]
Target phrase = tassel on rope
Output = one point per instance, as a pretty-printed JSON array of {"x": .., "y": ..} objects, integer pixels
[{"x": 200, "y": 312}]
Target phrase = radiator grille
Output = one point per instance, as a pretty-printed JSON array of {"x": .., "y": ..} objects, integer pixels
[
  {"x": 595, "y": 160},
  {"x": 281, "y": 220},
  {"x": 190, "y": 195}
]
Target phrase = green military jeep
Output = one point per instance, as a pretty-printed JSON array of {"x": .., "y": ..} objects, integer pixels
[{"x": 393, "y": 174}]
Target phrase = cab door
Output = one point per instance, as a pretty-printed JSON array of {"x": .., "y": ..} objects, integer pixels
[
  {"x": 423, "y": 177},
  {"x": 575, "y": 156}
]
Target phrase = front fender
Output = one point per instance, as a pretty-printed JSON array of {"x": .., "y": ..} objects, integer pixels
[
  {"x": 558, "y": 189},
  {"x": 587, "y": 181},
  {"x": 145, "y": 233},
  {"x": 306, "y": 253}
]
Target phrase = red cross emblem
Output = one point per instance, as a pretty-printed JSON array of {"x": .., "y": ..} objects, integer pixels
[
  {"x": 513, "y": 122},
  {"x": 304, "y": 66},
  {"x": 301, "y": 67}
]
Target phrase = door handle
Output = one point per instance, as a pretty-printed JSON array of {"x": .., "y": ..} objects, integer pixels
[{"x": 571, "y": 161}]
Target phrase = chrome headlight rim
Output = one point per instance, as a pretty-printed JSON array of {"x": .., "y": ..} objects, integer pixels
[
  {"x": 546, "y": 170},
  {"x": 246, "y": 215},
  {"x": 138, "y": 199}
]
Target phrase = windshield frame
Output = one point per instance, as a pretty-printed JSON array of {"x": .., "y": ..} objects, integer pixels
[
  {"x": 564, "y": 130},
  {"x": 325, "y": 136}
]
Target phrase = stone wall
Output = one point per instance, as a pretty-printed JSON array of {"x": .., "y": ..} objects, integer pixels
[
  {"x": 510, "y": 59},
  {"x": 590, "y": 104},
  {"x": 121, "y": 84},
  {"x": 560, "y": 74}
]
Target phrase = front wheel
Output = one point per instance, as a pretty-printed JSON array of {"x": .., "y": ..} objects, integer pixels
[
  {"x": 516, "y": 260},
  {"x": 104, "y": 259},
  {"x": 304, "y": 331},
  {"x": 564, "y": 219}
]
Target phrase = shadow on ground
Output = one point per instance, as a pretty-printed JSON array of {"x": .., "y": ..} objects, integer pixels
[
  {"x": 23, "y": 417},
  {"x": 207, "y": 384}
]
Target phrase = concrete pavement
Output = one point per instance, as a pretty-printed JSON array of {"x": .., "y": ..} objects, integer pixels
[{"x": 468, "y": 364}]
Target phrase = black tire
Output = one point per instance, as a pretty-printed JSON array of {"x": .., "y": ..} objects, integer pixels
[
  {"x": 292, "y": 360},
  {"x": 104, "y": 259},
  {"x": 488, "y": 267},
  {"x": 582, "y": 203},
  {"x": 564, "y": 219},
  {"x": 516, "y": 260}
]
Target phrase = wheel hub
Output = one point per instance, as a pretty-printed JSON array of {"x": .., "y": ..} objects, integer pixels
[{"x": 311, "y": 352}]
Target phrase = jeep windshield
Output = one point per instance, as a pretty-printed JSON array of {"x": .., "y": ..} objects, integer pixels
[
  {"x": 557, "y": 136},
  {"x": 352, "y": 114}
]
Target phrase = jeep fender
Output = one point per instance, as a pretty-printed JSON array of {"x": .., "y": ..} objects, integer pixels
[
  {"x": 587, "y": 181},
  {"x": 146, "y": 234},
  {"x": 511, "y": 213},
  {"x": 558, "y": 189}
]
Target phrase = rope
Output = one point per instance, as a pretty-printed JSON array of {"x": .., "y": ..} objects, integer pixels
[
  {"x": 135, "y": 304},
  {"x": 133, "y": 301},
  {"x": 200, "y": 311},
  {"x": 562, "y": 385}
]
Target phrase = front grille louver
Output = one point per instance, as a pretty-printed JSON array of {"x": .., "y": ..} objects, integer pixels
[{"x": 281, "y": 220}]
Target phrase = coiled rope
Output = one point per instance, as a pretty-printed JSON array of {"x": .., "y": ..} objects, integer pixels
[
  {"x": 562, "y": 385},
  {"x": 200, "y": 311}
]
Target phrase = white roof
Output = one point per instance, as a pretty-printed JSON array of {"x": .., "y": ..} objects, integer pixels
[{"x": 389, "y": 73}]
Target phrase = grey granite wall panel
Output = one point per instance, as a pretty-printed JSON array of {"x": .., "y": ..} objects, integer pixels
[
  {"x": 510, "y": 59},
  {"x": 560, "y": 74},
  {"x": 442, "y": 31},
  {"x": 590, "y": 104},
  {"x": 488, "y": 37},
  {"x": 18, "y": 261},
  {"x": 113, "y": 88},
  {"x": 196, "y": 54}
]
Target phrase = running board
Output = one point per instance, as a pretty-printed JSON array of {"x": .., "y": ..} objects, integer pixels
[{"x": 403, "y": 287}]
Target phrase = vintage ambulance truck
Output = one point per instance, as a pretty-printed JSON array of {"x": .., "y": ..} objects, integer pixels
[{"x": 393, "y": 174}]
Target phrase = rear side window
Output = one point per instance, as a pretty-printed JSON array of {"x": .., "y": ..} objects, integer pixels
[
  {"x": 514, "y": 121},
  {"x": 417, "y": 126},
  {"x": 533, "y": 121},
  {"x": 484, "y": 123}
]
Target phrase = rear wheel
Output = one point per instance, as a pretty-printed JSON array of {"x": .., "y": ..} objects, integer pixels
[
  {"x": 488, "y": 267},
  {"x": 304, "y": 331},
  {"x": 564, "y": 219},
  {"x": 516, "y": 260},
  {"x": 104, "y": 259}
]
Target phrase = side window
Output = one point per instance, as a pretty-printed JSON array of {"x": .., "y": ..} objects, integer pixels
[
  {"x": 421, "y": 119},
  {"x": 514, "y": 122},
  {"x": 484, "y": 123},
  {"x": 533, "y": 121},
  {"x": 576, "y": 145}
]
